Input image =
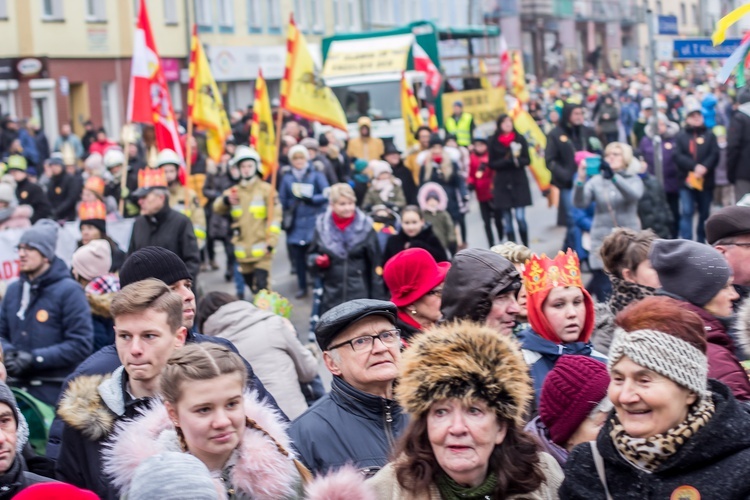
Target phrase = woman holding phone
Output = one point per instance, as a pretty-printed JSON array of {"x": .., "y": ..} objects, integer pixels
[{"x": 615, "y": 189}]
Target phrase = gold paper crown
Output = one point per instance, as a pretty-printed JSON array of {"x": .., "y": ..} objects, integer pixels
[
  {"x": 543, "y": 273},
  {"x": 152, "y": 177},
  {"x": 95, "y": 184},
  {"x": 68, "y": 154},
  {"x": 89, "y": 210}
]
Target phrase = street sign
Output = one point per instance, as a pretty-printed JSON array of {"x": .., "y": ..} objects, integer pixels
[
  {"x": 667, "y": 25},
  {"x": 703, "y": 48}
]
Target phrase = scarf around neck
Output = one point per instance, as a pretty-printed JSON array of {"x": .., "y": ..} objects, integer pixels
[
  {"x": 506, "y": 139},
  {"x": 625, "y": 293},
  {"x": 342, "y": 222},
  {"x": 451, "y": 490},
  {"x": 650, "y": 453}
]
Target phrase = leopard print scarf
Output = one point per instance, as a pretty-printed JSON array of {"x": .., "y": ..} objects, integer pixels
[
  {"x": 650, "y": 453},
  {"x": 625, "y": 293}
]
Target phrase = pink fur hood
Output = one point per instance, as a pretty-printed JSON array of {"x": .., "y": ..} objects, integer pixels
[{"x": 260, "y": 470}]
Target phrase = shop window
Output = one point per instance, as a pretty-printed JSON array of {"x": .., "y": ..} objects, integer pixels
[
  {"x": 52, "y": 10},
  {"x": 254, "y": 16},
  {"x": 170, "y": 12}
]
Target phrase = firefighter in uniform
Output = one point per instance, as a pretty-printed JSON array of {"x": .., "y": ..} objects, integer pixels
[
  {"x": 247, "y": 203},
  {"x": 170, "y": 162}
]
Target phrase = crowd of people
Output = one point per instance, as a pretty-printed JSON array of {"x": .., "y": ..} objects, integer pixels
[{"x": 455, "y": 372}]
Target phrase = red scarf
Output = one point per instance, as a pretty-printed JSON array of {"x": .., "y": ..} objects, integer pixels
[
  {"x": 506, "y": 139},
  {"x": 406, "y": 318},
  {"x": 342, "y": 222}
]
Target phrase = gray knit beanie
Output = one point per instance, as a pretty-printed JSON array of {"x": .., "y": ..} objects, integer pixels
[
  {"x": 693, "y": 271},
  {"x": 172, "y": 475},
  {"x": 42, "y": 236},
  {"x": 22, "y": 428}
]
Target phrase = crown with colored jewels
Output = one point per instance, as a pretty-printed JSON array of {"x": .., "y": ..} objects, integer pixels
[
  {"x": 89, "y": 210},
  {"x": 543, "y": 273},
  {"x": 95, "y": 184},
  {"x": 149, "y": 177}
]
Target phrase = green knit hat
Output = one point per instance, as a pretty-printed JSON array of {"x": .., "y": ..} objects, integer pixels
[{"x": 17, "y": 162}]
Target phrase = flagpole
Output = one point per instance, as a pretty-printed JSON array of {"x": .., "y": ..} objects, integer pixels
[
  {"x": 188, "y": 158},
  {"x": 126, "y": 133},
  {"x": 275, "y": 170}
]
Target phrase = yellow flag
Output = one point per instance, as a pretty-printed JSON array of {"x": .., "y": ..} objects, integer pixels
[
  {"x": 723, "y": 24},
  {"x": 205, "y": 105},
  {"x": 409, "y": 112},
  {"x": 518, "y": 78},
  {"x": 526, "y": 126},
  {"x": 262, "y": 133},
  {"x": 303, "y": 91},
  {"x": 483, "y": 75}
]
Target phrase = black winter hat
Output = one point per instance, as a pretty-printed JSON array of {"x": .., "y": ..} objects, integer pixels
[
  {"x": 728, "y": 222},
  {"x": 153, "y": 262},
  {"x": 344, "y": 315},
  {"x": 435, "y": 139},
  {"x": 323, "y": 140},
  {"x": 100, "y": 224}
]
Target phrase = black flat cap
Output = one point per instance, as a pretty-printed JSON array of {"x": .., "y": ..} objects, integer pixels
[
  {"x": 728, "y": 222},
  {"x": 343, "y": 315}
]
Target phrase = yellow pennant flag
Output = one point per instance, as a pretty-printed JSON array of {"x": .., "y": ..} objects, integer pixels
[
  {"x": 723, "y": 24},
  {"x": 409, "y": 112},
  {"x": 262, "y": 133},
  {"x": 205, "y": 105},
  {"x": 518, "y": 78},
  {"x": 303, "y": 91},
  {"x": 526, "y": 126},
  {"x": 483, "y": 75}
]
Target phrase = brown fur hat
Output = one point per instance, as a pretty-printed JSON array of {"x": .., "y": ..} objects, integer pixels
[{"x": 468, "y": 361}]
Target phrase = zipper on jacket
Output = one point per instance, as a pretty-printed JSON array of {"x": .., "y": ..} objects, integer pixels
[
  {"x": 346, "y": 276},
  {"x": 388, "y": 423}
]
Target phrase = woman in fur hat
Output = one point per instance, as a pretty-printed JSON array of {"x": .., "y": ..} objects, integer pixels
[
  {"x": 561, "y": 314},
  {"x": 466, "y": 389},
  {"x": 674, "y": 433},
  {"x": 206, "y": 413}
]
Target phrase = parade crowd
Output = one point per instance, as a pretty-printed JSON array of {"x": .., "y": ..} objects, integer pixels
[{"x": 617, "y": 368}]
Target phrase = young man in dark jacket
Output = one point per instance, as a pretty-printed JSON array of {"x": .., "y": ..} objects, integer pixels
[
  {"x": 63, "y": 193},
  {"x": 738, "y": 146},
  {"x": 359, "y": 417},
  {"x": 27, "y": 192},
  {"x": 45, "y": 319},
  {"x": 696, "y": 156},
  {"x": 393, "y": 156},
  {"x": 563, "y": 142}
]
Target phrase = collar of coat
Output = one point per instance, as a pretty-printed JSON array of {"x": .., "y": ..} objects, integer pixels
[
  {"x": 260, "y": 470},
  {"x": 361, "y": 403}
]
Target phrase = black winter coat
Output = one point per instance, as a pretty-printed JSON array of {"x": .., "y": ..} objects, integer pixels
[
  {"x": 63, "y": 195},
  {"x": 738, "y": 147},
  {"x": 693, "y": 146},
  {"x": 359, "y": 429},
  {"x": 356, "y": 264},
  {"x": 171, "y": 230},
  {"x": 713, "y": 461},
  {"x": 402, "y": 173},
  {"x": 653, "y": 209},
  {"x": 424, "y": 239},
  {"x": 17, "y": 478},
  {"x": 510, "y": 183},
  {"x": 562, "y": 144},
  {"x": 34, "y": 196},
  {"x": 215, "y": 185}
]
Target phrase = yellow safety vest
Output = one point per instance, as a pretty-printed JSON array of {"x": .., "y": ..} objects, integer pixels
[{"x": 462, "y": 129}]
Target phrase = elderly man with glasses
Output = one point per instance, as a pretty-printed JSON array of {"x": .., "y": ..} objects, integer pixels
[
  {"x": 358, "y": 421},
  {"x": 728, "y": 231}
]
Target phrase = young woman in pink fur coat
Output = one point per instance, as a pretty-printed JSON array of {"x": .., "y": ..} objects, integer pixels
[{"x": 242, "y": 441}]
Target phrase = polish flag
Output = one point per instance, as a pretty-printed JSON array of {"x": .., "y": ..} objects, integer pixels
[
  {"x": 148, "y": 98},
  {"x": 505, "y": 61},
  {"x": 423, "y": 63}
]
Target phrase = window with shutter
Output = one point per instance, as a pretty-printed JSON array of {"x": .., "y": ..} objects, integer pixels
[{"x": 170, "y": 12}]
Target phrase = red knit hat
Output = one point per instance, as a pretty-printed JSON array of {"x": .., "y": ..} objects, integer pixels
[
  {"x": 55, "y": 491},
  {"x": 411, "y": 273},
  {"x": 570, "y": 392}
]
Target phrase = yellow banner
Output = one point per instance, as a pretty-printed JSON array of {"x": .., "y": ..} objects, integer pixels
[
  {"x": 385, "y": 54},
  {"x": 262, "y": 133},
  {"x": 526, "y": 125},
  {"x": 485, "y": 105},
  {"x": 205, "y": 105},
  {"x": 409, "y": 112},
  {"x": 303, "y": 90}
]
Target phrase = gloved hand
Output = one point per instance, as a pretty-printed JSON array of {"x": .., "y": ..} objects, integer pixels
[
  {"x": 18, "y": 362},
  {"x": 323, "y": 261},
  {"x": 606, "y": 170},
  {"x": 470, "y": 187}
]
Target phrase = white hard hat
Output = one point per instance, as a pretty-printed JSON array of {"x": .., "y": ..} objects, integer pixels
[
  {"x": 245, "y": 153},
  {"x": 113, "y": 158},
  {"x": 167, "y": 157}
]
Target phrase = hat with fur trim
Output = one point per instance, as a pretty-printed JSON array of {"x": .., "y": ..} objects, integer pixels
[{"x": 468, "y": 361}]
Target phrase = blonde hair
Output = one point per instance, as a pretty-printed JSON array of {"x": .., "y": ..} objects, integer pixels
[
  {"x": 193, "y": 362},
  {"x": 625, "y": 150},
  {"x": 342, "y": 190},
  {"x": 147, "y": 294},
  {"x": 517, "y": 254}
]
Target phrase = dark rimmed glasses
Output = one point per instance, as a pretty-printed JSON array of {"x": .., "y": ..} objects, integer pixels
[{"x": 389, "y": 338}]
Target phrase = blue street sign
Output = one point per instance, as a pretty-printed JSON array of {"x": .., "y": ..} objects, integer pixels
[
  {"x": 702, "y": 48},
  {"x": 667, "y": 25}
]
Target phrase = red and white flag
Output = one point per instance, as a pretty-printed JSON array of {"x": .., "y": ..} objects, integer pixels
[
  {"x": 148, "y": 98},
  {"x": 505, "y": 61},
  {"x": 423, "y": 63}
]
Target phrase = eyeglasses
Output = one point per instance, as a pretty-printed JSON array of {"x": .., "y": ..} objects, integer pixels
[
  {"x": 736, "y": 244},
  {"x": 389, "y": 338},
  {"x": 438, "y": 292}
]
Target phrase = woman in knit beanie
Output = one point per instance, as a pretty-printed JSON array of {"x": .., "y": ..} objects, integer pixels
[
  {"x": 674, "y": 433},
  {"x": 701, "y": 279},
  {"x": 466, "y": 389},
  {"x": 561, "y": 314}
]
